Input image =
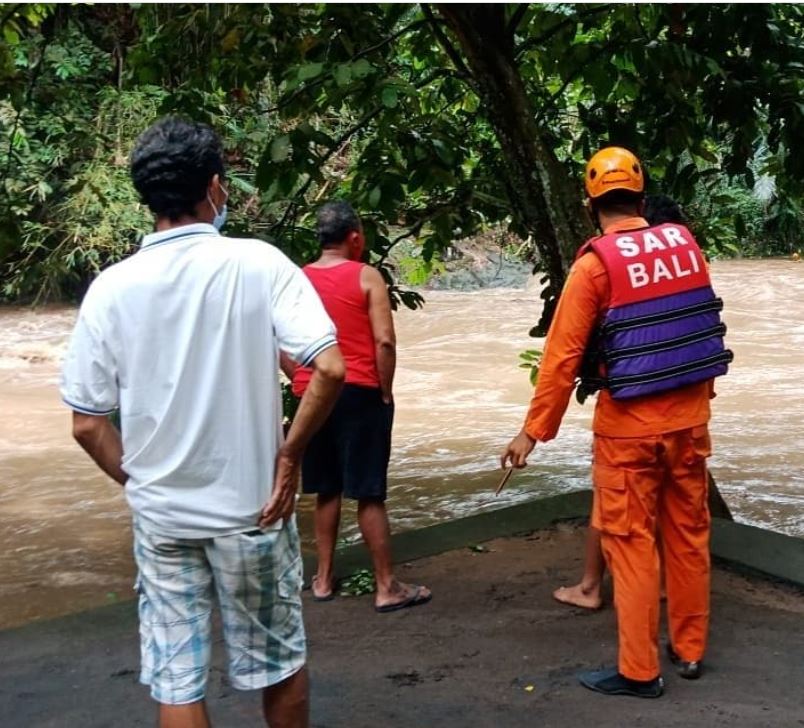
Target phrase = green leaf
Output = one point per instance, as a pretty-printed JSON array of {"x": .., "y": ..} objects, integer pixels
[
  {"x": 343, "y": 74},
  {"x": 470, "y": 103},
  {"x": 374, "y": 196},
  {"x": 309, "y": 71},
  {"x": 389, "y": 97},
  {"x": 280, "y": 148},
  {"x": 357, "y": 584},
  {"x": 444, "y": 152},
  {"x": 361, "y": 68}
]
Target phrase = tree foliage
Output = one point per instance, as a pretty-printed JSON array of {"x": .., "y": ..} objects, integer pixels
[{"x": 435, "y": 121}]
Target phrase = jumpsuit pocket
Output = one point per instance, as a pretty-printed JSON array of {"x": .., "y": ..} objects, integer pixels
[
  {"x": 611, "y": 500},
  {"x": 700, "y": 445},
  {"x": 698, "y": 448}
]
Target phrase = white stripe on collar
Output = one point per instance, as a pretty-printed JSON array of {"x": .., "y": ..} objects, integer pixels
[{"x": 180, "y": 232}]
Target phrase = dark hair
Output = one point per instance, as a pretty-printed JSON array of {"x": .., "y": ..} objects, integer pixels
[
  {"x": 622, "y": 202},
  {"x": 335, "y": 221},
  {"x": 172, "y": 163},
  {"x": 661, "y": 208}
]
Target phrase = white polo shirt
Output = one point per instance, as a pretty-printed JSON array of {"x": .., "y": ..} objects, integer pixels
[{"x": 183, "y": 337}]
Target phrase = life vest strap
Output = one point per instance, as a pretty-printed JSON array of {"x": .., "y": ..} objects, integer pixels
[
  {"x": 610, "y": 327},
  {"x": 723, "y": 357},
  {"x": 665, "y": 344}
]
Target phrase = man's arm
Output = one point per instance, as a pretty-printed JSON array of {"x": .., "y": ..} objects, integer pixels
[
  {"x": 382, "y": 328},
  {"x": 575, "y": 317},
  {"x": 314, "y": 408},
  {"x": 101, "y": 440},
  {"x": 287, "y": 365}
]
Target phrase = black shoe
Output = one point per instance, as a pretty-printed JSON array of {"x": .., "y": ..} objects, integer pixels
[
  {"x": 687, "y": 670},
  {"x": 611, "y": 682}
]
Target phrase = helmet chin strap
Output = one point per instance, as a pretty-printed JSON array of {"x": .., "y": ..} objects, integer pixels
[{"x": 595, "y": 217}]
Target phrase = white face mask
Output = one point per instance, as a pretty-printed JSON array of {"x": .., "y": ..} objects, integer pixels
[{"x": 220, "y": 216}]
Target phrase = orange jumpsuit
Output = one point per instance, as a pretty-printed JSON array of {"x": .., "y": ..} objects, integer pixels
[{"x": 649, "y": 475}]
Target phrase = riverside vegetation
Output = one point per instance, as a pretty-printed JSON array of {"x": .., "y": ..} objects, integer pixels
[{"x": 438, "y": 122}]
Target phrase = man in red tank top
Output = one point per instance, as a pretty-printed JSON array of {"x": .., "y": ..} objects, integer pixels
[{"x": 349, "y": 455}]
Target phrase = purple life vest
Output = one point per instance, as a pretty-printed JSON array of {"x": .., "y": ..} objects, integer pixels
[{"x": 662, "y": 330}]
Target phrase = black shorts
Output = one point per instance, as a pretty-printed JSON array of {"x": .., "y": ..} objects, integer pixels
[{"x": 350, "y": 453}]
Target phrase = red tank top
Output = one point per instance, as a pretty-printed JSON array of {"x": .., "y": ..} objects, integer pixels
[{"x": 347, "y": 306}]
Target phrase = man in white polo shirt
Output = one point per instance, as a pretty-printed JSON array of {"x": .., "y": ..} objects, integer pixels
[{"x": 183, "y": 337}]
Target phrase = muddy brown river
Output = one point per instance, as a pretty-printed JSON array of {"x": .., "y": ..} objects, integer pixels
[{"x": 64, "y": 527}]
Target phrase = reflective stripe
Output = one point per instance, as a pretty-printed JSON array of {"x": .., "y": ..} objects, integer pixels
[
  {"x": 610, "y": 327},
  {"x": 723, "y": 357},
  {"x": 666, "y": 344}
]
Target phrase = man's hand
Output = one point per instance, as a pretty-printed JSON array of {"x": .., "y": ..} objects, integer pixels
[
  {"x": 283, "y": 495},
  {"x": 516, "y": 454},
  {"x": 382, "y": 328},
  {"x": 314, "y": 408}
]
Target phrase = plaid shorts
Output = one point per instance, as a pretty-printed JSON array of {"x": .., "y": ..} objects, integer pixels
[{"x": 257, "y": 578}]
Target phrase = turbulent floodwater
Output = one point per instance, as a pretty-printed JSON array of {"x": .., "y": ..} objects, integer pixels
[{"x": 64, "y": 533}]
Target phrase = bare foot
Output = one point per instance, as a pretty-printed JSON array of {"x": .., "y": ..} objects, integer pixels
[
  {"x": 403, "y": 595},
  {"x": 579, "y": 596}
]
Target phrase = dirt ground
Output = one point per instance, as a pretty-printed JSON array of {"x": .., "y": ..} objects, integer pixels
[{"x": 492, "y": 650}]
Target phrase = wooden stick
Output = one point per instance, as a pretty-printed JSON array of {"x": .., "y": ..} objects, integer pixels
[{"x": 508, "y": 474}]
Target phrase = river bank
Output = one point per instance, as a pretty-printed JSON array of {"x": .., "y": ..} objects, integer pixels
[
  {"x": 492, "y": 648},
  {"x": 64, "y": 528}
]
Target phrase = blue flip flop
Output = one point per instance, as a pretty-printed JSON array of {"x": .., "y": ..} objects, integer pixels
[
  {"x": 414, "y": 600},
  {"x": 326, "y": 598}
]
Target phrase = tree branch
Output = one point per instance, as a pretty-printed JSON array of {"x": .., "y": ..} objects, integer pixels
[
  {"x": 574, "y": 75},
  {"x": 444, "y": 42},
  {"x": 391, "y": 38},
  {"x": 36, "y": 72},
  {"x": 638, "y": 14},
  {"x": 12, "y": 11},
  {"x": 339, "y": 142},
  {"x": 415, "y": 229},
  {"x": 550, "y": 32},
  {"x": 360, "y": 54},
  {"x": 516, "y": 19}
]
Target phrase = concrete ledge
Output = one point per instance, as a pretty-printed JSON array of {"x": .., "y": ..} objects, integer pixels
[
  {"x": 463, "y": 532},
  {"x": 775, "y": 554},
  {"x": 768, "y": 552}
]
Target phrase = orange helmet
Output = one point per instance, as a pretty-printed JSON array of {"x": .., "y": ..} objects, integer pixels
[{"x": 613, "y": 168}]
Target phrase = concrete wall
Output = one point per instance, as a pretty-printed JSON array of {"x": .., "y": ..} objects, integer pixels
[{"x": 768, "y": 552}]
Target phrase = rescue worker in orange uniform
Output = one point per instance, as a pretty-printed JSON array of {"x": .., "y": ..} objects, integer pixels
[{"x": 638, "y": 322}]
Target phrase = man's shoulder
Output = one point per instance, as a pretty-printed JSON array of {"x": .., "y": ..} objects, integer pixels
[
  {"x": 589, "y": 265},
  {"x": 244, "y": 245},
  {"x": 370, "y": 274},
  {"x": 111, "y": 279},
  {"x": 255, "y": 250}
]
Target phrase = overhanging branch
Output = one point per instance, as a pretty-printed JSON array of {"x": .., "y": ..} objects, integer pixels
[
  {"x": 339, "y": 142},
  {"x": 550, "y": 32},
  {"x": 391, "y": 38},
  {"x": 550, "y": 103},
  {"x": 360, "y": 54},
  {"x": 444, "y": 42},
  {"x": 516, "y": 19}
]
